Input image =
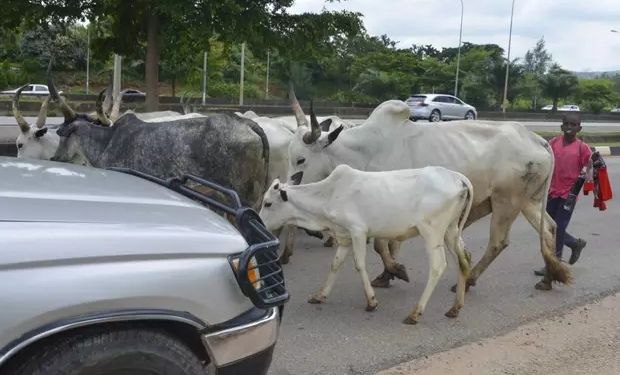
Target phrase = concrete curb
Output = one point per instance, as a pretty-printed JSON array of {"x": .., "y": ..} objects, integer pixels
[{"x": 607, "y": 150}]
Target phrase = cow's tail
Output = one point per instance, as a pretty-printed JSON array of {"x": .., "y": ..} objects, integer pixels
[
  {"x": 557, "y": 270},
  {"x": 468, "y": 203},
  {"x": 465, "y": 262}
]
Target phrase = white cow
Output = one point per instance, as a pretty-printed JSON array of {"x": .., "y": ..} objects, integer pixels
[
  {"x": 354, "y": 205},
  {"x": 509, "y": 167},
  {"x": 34, "y": 143},
  {"x": 280, "y": 131}
]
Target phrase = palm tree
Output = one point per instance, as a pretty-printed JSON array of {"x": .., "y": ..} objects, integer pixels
[{"x": 558, "y": 83}]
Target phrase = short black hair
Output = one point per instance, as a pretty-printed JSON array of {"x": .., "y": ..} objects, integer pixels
[{"x": 572, "y": 117}]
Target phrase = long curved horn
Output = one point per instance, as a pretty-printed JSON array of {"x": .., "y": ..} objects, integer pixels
[
  {"x": 43, "y": 113},
  {"x": 101, "y": 115},
  {"x": 116, "y": 107},
  {"x": 314, "y": 135},
  {"x": 299, "y": 113},
  {"x": 67, "y": 111},
  {"x": 21, "y": 121}
]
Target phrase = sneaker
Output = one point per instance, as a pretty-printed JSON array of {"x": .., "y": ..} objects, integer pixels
[
  {"x": 576, "y": 251},
  {"x": 540, "y": 272}
]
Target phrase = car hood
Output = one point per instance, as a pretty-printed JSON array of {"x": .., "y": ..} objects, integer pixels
[{"x": 58, "y": 199}]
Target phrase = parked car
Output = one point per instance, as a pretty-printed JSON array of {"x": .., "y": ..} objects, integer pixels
[
  {"x": 119, "y": 272},
  {"x": 437, "y": 107},
  {"x": 615, "y": 110},
  {"x": 562, "y": 108},
  {"x": 31, "y": 89}
]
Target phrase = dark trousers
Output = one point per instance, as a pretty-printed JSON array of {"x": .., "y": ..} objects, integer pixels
[{"x": 561, "y": 216}]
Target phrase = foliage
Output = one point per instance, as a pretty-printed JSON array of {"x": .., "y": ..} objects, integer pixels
[{"x": 558, "y": 83}]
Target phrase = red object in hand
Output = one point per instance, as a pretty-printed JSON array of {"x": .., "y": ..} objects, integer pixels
[
  {"x": 604, "y": 187},
  {"x": 588, "y": 186}
]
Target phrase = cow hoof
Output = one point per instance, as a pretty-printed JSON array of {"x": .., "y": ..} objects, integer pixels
[
  {"x": 410, "y": 320},
  {"x": 329, "y": 242},
  {"x": 315, "y": 299},
  {"x": 372, "y": 306},
  {"x": 401, "y": 273},
  {"x": 542, "y": 285},
  {"x": 452, "y": 313},
  {"x": 382, "y": 281}
]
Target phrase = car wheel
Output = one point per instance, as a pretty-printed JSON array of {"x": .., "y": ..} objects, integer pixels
[
  {"x": 435, "y": 116},
  {"x": 113, "y": 351},
  {"x": 413, "y": 118},
  {"x": 470, "y": 116}
]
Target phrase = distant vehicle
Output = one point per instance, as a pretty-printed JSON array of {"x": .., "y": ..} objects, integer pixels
[
  {"x": 562, "y": 108},
  {"x": 132, "y": 93},
  {"x": 615, "y": 110},
  {"x": 31, "y": 89},
  {"x": 437, "y": 107}
]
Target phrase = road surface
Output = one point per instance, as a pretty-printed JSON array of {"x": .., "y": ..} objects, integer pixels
[{"x": 339, "y": 337}]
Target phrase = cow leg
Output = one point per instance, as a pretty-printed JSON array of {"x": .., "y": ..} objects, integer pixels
[
  {"x": 455, "y": 243},
  {"x": 556, "y": 270},
  {"x": 359, "y": 257},
  {"x": 289, "y": 241},
  {"x": 321, "y": 295},
  {"x": 388, "y": 250},
  {"x": 435, "y": 250},
  {"x": 504, "y": 214}
]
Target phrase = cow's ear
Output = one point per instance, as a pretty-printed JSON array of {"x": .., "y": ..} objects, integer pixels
[
  {"x": 325, "y": 124},
  {"x": 284, "y": 195},
  {"x": 40, "y": 132},
  {"x": 331, "y": 137}
]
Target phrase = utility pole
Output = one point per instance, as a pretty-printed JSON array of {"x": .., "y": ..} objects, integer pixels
[
  {"x": 204, "y": 79},
  {"x": 242, "y": 71},
  {"x": 87, "y": 58},
  {"x": 508, "y": 60},
  {"x": 267, "y": 82},
  {"x": 458, "y": 58},
  {"x": 116, "y": 81}
]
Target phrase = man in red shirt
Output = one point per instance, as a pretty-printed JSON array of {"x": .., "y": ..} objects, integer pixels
[{"x": 571, "y": 157}]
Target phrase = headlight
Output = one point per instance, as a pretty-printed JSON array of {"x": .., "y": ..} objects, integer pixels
[{"x": 252, "y": 274}]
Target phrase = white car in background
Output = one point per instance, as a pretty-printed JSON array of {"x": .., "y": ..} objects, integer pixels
[
  {"x": 562, "y": 108},
  {"x": 437, "y": 107},
  {"x": 31, "y": 89}
]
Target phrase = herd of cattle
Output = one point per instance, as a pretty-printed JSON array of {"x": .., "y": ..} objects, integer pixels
[{"x": 387, "y": 179}]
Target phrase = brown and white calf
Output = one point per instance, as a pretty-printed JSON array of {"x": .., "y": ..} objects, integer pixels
[{"x": 354, "y": 205}]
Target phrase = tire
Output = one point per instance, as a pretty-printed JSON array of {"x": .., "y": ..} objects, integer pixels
[
  {"x": 106, "y": 351},
  {"x": 413, "y": 118},
  {"x": 470, "y": 115},
  {"x": 435, "y": 116}
]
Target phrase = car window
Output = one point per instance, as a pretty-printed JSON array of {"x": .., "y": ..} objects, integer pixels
[
  {"x": 458, "y": 101},
  {"x": 39, "y": 88},
  {"x": 448, "y": 99},
  {"x": 439, "y": 99},
  {"x": 28, "y": 88},
  {"x": 416, "y": 98}
]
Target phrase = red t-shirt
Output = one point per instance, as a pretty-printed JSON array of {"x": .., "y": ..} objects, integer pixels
[{"x": 570, "y": 159}]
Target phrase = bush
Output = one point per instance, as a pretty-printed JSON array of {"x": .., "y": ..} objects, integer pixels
[{"x": 594, "y": 106}]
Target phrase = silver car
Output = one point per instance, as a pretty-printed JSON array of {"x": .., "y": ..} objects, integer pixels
[
  {"x": 437, "y": 107},
  {"x": 107, "y": 271}
]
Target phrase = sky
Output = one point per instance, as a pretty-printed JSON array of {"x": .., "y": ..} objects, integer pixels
[{"x": 576, "y": 32}]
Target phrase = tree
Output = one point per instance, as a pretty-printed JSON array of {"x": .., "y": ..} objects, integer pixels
[
  {"x": 156, "y": 24},
  {"x": 558, "y": 83},
  {"x": 595, "y": 94},
  {"x": 537, "y": 61}
]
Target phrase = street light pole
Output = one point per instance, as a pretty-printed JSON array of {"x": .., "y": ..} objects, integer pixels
[
  {"x": 508, "y": 59},
  {"x": 458, "y": 56}
]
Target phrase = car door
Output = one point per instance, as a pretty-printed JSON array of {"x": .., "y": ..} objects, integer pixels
[
  {"x": 450, "y": 107},
  {"x": 459, "y": 108}
]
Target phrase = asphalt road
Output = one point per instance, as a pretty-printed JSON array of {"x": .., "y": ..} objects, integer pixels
[{"x": 339, "y": 337}]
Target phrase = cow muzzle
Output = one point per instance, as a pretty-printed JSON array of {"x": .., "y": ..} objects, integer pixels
[{"x": 296, "y": 178}]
